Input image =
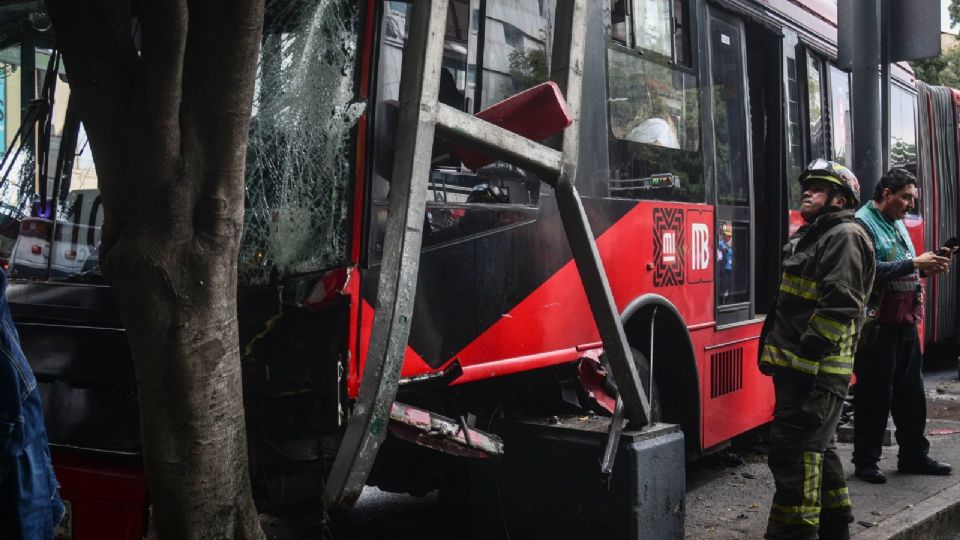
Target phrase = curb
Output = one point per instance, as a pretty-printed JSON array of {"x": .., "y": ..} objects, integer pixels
[{"x": 937, "y": 516}]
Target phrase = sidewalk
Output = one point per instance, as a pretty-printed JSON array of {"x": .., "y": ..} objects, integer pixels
[{"x": 733, "y": 500}]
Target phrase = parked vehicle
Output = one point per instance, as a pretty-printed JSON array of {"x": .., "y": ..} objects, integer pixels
[{"x": 58, "y": 249}]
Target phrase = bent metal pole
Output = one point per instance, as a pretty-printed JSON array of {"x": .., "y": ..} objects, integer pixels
[{"x": 419, "y": 90}]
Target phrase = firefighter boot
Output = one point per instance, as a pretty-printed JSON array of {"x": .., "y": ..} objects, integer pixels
[{"x": 834, "y": 530}]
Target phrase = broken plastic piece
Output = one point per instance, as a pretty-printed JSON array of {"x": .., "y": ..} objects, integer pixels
[
  {"x": 536, "y": 114},
  {"x": 432, "y": 430}
]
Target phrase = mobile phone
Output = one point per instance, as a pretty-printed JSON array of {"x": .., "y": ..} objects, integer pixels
[{"x": 948, "y": 247}]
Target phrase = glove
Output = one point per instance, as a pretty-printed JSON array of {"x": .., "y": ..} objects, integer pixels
[{"x": 802, "y": 383}]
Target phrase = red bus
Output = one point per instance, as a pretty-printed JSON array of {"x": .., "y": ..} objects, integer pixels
[
  {"x": 939, "y": 116},
  {"x": 696, "y": 122}
]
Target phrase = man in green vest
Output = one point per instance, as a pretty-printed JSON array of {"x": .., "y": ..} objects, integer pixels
[
  {"x": 888, "y": 365},
  {"x": 807, "y": 345}
]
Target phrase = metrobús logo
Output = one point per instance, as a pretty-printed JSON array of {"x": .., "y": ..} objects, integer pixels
[{"x": 668, "y": 247}]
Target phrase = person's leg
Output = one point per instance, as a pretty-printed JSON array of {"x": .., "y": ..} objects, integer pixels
[
  {"x": 909, "y": 402},
  {"x": 836, "y": 512},
  {"x": 874, "y": 367},
  {"x": 910, "y": 413},
  {"x": 799, "y": 435}
]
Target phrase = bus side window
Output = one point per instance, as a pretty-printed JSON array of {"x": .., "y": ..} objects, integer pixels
[
  {"x": 815, "y": 108},
  {"x": 681, "y": 33},
  {"x": 652, "y": 24},
  {"x": 658, "y": 26},
  {"x": 492, "y": 51},
  {"x": 903, "y": 135},
  {"x": 653, "y": 103},
  {"x": 841, "y": 117},
  {"x": 619, "y": 29},
  {"x": 654, "y": 140},
  {"x": 903, "y": 129},
  {"x": 795, "y": 155}
]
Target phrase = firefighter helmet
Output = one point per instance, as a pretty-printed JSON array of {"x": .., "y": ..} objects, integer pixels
[{"x": 836, "y": 174}]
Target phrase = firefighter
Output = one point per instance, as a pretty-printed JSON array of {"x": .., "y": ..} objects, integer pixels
[{"x": 807, "y": 345}]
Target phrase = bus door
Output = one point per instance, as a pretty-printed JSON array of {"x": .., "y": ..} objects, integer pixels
[
  {"x": 748, "y": 124},
  {"x": 732, "y": 168},
  {"x": 765, "y": 87}
]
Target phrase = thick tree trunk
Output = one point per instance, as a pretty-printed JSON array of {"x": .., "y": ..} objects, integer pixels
[{"x": 168, "y": 127}]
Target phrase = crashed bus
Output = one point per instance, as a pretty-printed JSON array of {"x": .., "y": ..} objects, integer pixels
[{"x": 696, "y": 120}]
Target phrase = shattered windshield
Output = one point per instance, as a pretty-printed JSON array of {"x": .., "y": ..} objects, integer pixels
[{"x": 299, "y": 157}]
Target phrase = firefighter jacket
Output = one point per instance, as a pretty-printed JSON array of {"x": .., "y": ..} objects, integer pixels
[{"x": 828, "y": 270}]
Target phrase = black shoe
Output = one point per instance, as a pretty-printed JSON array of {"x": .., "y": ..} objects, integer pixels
[
  {"x": 837, "y": 534},
  {"x": 924, "y": 465},
  {"x": 872, "y": 475}
]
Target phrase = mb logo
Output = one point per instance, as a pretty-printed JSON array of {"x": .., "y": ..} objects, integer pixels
[{"x": 700, "y": 246}]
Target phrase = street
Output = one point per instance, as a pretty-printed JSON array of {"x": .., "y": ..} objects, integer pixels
[{"x": 730, "y": 499}]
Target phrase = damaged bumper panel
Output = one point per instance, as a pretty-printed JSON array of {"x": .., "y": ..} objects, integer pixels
[{"x": 440, "y": 433}]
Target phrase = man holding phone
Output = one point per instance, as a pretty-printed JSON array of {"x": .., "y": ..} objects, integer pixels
[{"x": 888, "y": 362}]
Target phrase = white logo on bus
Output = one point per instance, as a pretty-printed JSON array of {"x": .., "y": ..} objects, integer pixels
[
  {"x": 700, "y": 246},
  {"x": 669, "y": 247}
]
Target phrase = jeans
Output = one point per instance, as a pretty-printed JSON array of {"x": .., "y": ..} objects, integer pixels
[{"x": 30, "y": 505}]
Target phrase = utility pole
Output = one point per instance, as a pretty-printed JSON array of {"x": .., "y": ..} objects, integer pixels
[
  {"x": 871, "y": 35},
  {"x": 865, "y": 55}
]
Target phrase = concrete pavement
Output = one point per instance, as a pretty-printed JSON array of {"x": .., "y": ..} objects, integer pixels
[{"x": 732, "y": 500}]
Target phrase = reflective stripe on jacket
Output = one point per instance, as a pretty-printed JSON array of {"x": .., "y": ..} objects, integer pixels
[{"x": 828, "y": 271}]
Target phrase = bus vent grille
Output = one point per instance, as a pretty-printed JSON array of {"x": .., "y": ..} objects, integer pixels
[{"x": 726, "y": 372}]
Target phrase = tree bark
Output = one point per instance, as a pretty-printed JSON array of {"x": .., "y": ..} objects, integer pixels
[{"x": 168, "y": 127}]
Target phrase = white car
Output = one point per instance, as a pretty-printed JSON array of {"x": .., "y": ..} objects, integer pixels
[{"x": 76, "y": 237}]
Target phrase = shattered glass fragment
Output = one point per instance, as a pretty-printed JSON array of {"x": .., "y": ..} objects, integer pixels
[{"x": 300, "y": 153}]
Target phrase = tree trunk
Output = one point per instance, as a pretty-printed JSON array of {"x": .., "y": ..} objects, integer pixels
[{"x": 167, "y": 123}]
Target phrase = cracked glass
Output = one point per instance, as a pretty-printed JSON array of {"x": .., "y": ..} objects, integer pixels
[{"x": 299, "y": 175}]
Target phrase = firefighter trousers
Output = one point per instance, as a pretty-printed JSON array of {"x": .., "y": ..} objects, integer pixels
[{"x": 811, "y": 499}]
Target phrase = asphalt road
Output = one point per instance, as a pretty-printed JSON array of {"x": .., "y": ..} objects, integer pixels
[{"x": 377, "y": 515}]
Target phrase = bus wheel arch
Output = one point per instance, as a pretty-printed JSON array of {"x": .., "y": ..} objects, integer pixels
[{"x": 674, "y": 361}]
